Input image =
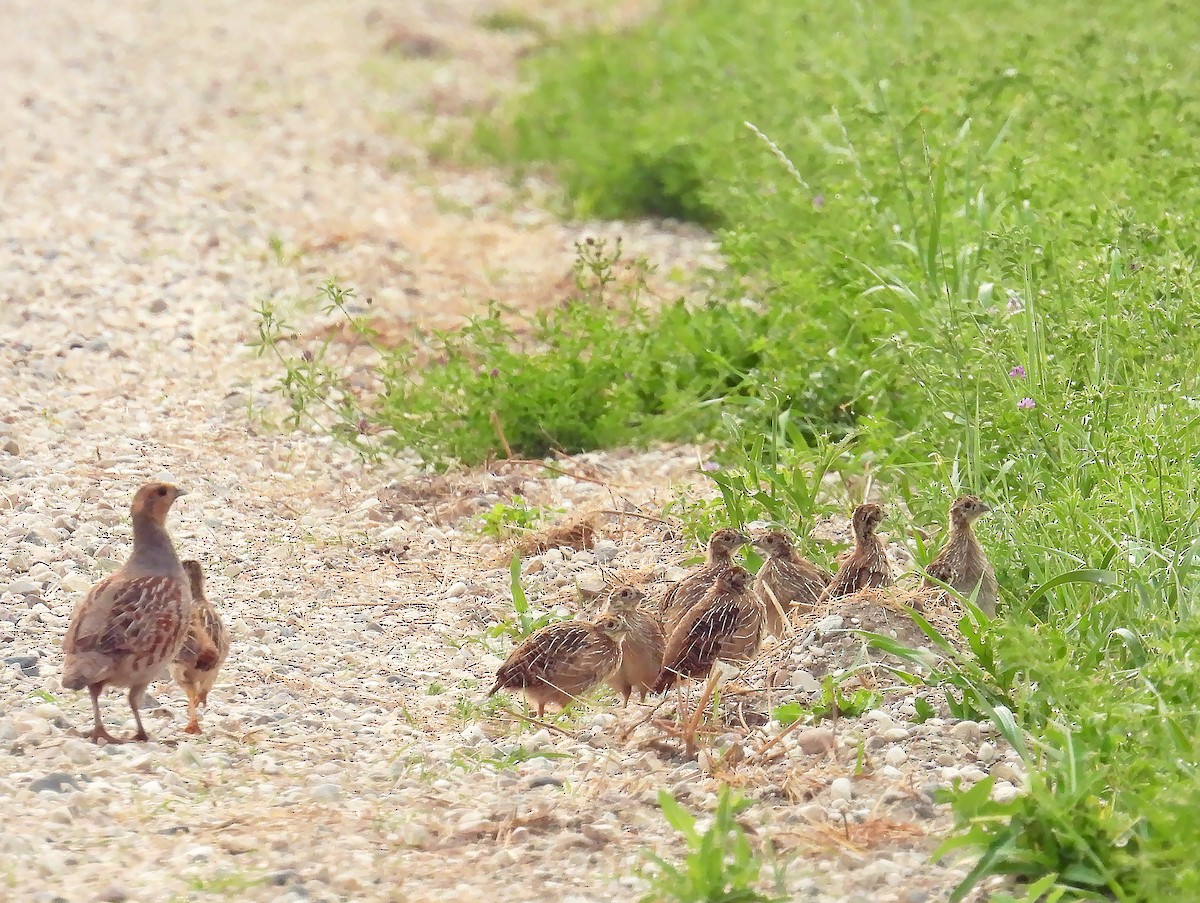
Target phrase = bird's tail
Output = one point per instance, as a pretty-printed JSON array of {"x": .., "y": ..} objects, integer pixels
[
  {"x": 496, "y": 689},
  {"x": 666, "y": 679},
  {"x": 80, "y": 671}
]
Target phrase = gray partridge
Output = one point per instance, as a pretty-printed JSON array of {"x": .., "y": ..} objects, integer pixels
[
  {"x": 203, "y": 652},
  {"x": 563, "y": 660},
  {"x": 131, "y": 624},
  {"x": 786, "y": 580},
  {"x": 962, "y": 563},
  {"x": 867, "y": 565},
  {"x": 642, "y": 651},
  {"x": 680, "y": 597},
  {"x": 726, "y": 625}
]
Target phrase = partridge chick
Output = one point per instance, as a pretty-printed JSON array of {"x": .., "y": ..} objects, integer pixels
[
  {"x": 203, "y": 652},
  {"x": 642, "y": 653},
  {"x": 867, "y": 565},
  {"x": 131, "y": 624},
  {"x": 691, "y": 589},
  {"x": 962, "y": 563},
  {"x": 786, "y": 580},
  {"x": 563, "y": 660},
  {"x": 726, "y": 625}
]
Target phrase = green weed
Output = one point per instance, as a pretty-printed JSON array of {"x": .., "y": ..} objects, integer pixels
[
  {"x": 831, "y": 703},
  {"x": 720, "y": 866},
  {"x": 525, "y": 619}
]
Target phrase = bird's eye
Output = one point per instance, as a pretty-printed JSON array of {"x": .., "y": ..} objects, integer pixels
[{"x": 162, "y": 490}]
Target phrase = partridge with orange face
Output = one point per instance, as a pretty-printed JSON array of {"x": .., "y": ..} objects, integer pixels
[
  {"x": 203, "y": 652},
  {"x": 962, "y": 563},
  {"x": 691, "y": 589},
  {"x": 786, "y": 580},
  {"x": 867, "y": 565},
  {"x": 562, "y": 661},
  {"x": 725, "y": 626},
  {"x": 642, "y": 652},
  {"x": 131, "y": 625}
]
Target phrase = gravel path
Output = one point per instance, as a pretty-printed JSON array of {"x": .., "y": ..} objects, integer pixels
[{"x": 165, "y": 166}]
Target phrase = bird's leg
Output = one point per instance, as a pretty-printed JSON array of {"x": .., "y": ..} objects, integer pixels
[
  {"x": 135, "y": 702},
  {"x": 98, "y": 732},
  {"x": 193, "y": 725},
  {"x": 693, "y": 723}
]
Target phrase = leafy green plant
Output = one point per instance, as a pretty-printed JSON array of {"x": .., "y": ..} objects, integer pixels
[
  {"x": 504, "y": 520},
  {"x": 525, "y": 620},
  {"x": 720, "y": 866},
  {"x": 472, "y": 759},
  {"x": 831, "y": 703}
]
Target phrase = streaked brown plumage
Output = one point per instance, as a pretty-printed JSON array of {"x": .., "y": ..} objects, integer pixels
[
  {"x": 786, "y": 580},
  {"x": 563, "y": 660},
  {"x": 642, "y": 651},
  {"x": 203, "y": 652},
  {"x": 962, "y": 563},
  {"x": 867, "y": 565},
  {"x": 726, "y": 625},
  {"x": 131, "y": 624},
  {"x": 680, "y": 597}
]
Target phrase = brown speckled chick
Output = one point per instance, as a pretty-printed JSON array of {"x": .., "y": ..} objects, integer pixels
[
  {"x": 642, "y": 652},
  {"x": 563, "y": 660},
  {"x": 786, "y": 580},
  {"x": 962, "y": 563},
  {"x": 203, "y": 652},
  {"x": 867, "y": 565},
  {"x": 680, "y": 597},
  {"x": 727, "y": 626},
  {"x": 131, "y": 625}
]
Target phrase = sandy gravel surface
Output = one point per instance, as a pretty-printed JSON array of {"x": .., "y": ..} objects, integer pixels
[{"x": 165, "y": 166}]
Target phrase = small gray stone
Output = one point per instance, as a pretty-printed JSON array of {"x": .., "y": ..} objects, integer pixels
[
  {"x": 113, "y": 894},
  {"x": 11, "y": 447},
  {"x": 545, "y": 780},
  {"x": 27, "y": 663},
  {"x": 57, "y": 782}
]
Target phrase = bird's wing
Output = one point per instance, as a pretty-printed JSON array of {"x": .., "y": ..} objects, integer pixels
[
  {"x": 142, "y": 619},
  {"x": 943, "y": 568},
  {"x": 536, "y": 658},
  {"x": 202, "y": 649},
  {"x": 90, "y": 615}
]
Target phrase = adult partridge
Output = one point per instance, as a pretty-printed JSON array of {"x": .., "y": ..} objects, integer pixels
[{"x": 131, "y": 624}]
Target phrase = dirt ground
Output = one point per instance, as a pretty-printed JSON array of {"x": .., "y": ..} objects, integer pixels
[{"x": 165, "y": 168}]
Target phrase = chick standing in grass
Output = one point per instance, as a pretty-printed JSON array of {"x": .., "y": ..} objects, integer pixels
[
  {"x": 962, "y": 564},
  {"x": 691, "y": 589},
  {"x": 786, "y": 580},
  {"x": 867, "y": 565},
  {"x": 725, "y": 626},
  {"x": 132, "y": 623},
  {"x": 561, "y": 661},
  {"x": 642, "y": 653},
  {"x": 203, "y": 652}
]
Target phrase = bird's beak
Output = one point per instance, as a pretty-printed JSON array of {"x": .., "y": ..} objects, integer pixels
[
  {"x": 180, "y": 492},
  {"x": 984, "y": 507}
]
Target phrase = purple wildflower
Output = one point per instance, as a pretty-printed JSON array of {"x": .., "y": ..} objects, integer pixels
[
  {"x": 818, "y": 201},
  {"x": 710, "y": 466},
  {"x": 1026, "y": 403},
  {"x": 495, "y": 371},
  {"x": 1015, "y": 303},
  {"x": 1017, "y": 372}
]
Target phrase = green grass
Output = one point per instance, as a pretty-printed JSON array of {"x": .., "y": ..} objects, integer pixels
[
  {"x": 944, "y": 210},
  {"x": 720, "y": 865},
  {"x": 962, "y": 251}
]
